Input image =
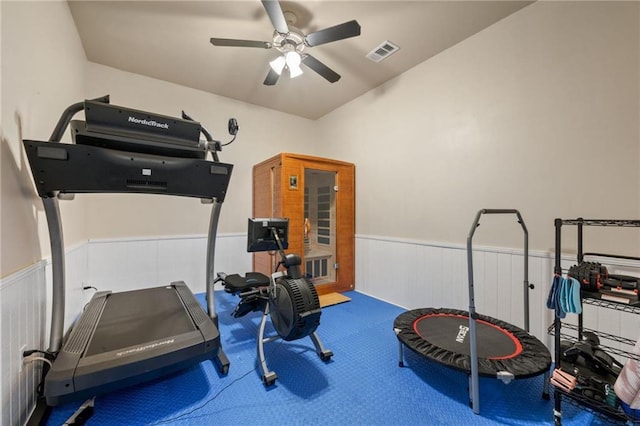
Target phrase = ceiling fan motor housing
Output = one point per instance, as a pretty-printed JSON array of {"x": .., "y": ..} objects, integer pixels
[{"x": 294, "y": 40}]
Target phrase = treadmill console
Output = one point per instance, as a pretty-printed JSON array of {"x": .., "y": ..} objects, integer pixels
[
  {"x": 126, "y": 129},
  {"x": 120, "y": 150}
]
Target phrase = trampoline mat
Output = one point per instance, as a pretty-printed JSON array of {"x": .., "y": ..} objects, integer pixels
[
  {"x": 452, "y": 332},
  {"x": 443, "y": 335}
]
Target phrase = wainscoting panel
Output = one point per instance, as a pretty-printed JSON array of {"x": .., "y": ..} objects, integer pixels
[
  {"x": 121, "y": 265},
  {"x": 415, "y": 274},
  {"x": 22, "y": 300},
  {"x": 77, "y": 276},
  {"x": 25, "y": 299}
]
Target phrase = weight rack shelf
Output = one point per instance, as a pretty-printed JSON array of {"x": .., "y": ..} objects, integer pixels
[{"x": 601, "y": 409}]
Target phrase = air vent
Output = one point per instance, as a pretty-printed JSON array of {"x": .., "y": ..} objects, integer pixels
[
  {"x": 146, "y": 185},
  {"x": 383, "y": 51}
]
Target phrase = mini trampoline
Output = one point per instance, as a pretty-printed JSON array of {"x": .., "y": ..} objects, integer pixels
[
  {"x": 442, "y": 335},
  {"x": 473, "y": 343}
]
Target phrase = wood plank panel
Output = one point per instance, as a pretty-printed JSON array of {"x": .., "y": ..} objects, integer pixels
[
  {"x": 266, "y": 190},
  {"x": 284, "y": 197}
]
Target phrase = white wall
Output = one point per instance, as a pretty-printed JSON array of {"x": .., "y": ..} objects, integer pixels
[
  {"x": 43, "y": 67},
  {"x": 538, "y": 112}
]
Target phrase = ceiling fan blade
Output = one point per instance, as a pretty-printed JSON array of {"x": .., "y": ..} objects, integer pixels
[
  {"x": 326, "y": 72},
  {"x": 337, "y": 32},
  {"x": 239, "y": 43},
  {"x": 276, "y": 16},
  {"x": 272, "y": 78}
]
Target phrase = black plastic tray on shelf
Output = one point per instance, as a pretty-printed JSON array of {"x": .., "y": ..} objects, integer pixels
[
  {"x": 601, "y": 335},
  {"x": 607, "y": 301},
  {"x": 599, "y": 382},
  {"x": 599, "y": 408}
]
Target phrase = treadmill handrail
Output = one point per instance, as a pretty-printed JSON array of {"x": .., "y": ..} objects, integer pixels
[
  {"x": 56, "y": 239},
  {"x": 68, "y": 114}
]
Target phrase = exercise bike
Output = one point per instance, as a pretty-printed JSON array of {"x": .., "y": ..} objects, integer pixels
[{"x": 287, "y": 297}]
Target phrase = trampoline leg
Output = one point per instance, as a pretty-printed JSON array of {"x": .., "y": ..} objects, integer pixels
[
  {"x": 545, "y": 387},
  {"x": 474, "y": 394},
  {"x": 474, "y": 391},
  {"x": 557, "y": 418},
  {"x": 400, "y": 355}
]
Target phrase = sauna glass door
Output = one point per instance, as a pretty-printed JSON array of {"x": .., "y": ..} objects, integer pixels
[{"x": 320, "y": 226}]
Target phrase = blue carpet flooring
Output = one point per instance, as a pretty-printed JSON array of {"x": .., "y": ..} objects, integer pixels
[{"x": 361, "y": 385}]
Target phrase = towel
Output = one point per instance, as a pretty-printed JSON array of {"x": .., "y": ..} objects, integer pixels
[
  {"x": 575, "y": 302},
  {"x": 565, "y": 295},
  {"x": 554, "y": 298},
  {"x": 552, "y": 292}
]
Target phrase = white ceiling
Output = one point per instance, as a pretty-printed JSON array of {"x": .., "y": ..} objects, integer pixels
[{"x": 169, "y": 40}]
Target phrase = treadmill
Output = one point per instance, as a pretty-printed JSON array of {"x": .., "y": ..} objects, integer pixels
[{"x": 126, "y": 338}]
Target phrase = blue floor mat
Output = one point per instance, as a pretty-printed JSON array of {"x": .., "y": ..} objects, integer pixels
[{"x": 361, "y": 385}]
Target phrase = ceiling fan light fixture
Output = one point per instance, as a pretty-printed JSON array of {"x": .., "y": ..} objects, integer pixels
[
  {"x": 278, "y": 64},
  {"x": 295, "y": 72},
  {"x": 293, "y": 61}
]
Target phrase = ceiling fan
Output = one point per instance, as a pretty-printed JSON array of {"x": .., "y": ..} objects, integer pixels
[{"x": 291, "y": 43}]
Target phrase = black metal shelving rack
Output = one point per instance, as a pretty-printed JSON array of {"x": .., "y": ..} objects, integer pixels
[{"x": 600, "y": 409}]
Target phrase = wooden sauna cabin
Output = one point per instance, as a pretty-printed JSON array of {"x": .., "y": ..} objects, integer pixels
[{"x": 317, "y": 195}]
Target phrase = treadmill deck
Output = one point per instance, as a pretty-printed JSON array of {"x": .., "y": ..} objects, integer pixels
[{"x": 128, "y": 337}]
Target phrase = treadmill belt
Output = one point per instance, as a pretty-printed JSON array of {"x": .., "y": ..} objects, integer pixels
[{"x": 132, "y": 317}]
